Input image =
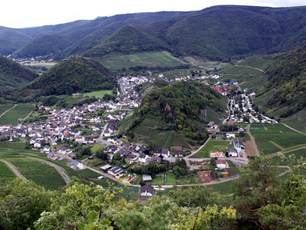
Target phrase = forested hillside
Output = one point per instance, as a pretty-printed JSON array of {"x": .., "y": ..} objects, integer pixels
[
  {"x": 177, "y": 107},
  {"x": 77, "y": 74},
  {"x": 216, "y": 33},
  {"x": 287, "y": 76},
  {"x": 13, "y": 75}
]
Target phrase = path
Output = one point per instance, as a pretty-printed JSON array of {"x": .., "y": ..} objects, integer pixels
[
  {"x": 103, "y": 174},
  {"x": 295, "y": 130},
  {"x": 186, "y": 158},
  {"x": 8, "y": 110},
  {"x": 251, "y": 67},
  {"x": 14, "y": 169},
  {"x": 253, "y": 140},
  {"x": 58, "y": 168}
]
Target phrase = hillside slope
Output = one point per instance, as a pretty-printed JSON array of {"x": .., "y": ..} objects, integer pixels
[
  {"x": 74, "y": 75},
  {"x": 177, "y": 107},
  {"x": 13, "y": 75},
  {"x": 287, "y": 76}
]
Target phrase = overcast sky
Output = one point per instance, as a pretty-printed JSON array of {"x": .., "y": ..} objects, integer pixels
[{"x": 30, "y": 13}]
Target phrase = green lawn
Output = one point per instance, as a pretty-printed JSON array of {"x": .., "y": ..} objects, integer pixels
[
  {"x": 223, "y": 188},
  {"x": 12, "y": 116},
  {"x": 297, "y": 121},
  {"x": 98, "y": 94},
  {"x": 89, "y": 173},
  {"x": 5, "y": 174},
  {"x": 212, "y": 145},
  {"x": 5, "y": 107}
]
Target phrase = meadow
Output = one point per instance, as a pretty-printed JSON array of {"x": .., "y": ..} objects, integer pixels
[
  {"x": 153, "y": 59},
  {"x": 211, "y": 146},
  {"x": 98, "y": 94},
  {"x": 12, "y": 116},
  {"x": 297, "y": 121},
  {"x": 285, "y": 158},
  {"x": 273, "y": 138},
  {"x": 5, "y": 107}
]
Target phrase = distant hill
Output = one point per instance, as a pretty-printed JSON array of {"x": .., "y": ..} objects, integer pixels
[
  {"x": 77, "y": 74},
  {"x": 13, "y": 75},
  {"x": 178, "y": 107},
  {"x": 287, "y": 77},
  {"x": 215, "y": 33},
  {"x": 127, "y": 40}
]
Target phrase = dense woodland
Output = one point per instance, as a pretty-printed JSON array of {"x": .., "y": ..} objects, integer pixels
[
  {"x": 260, "y": 200},
  {"x": 216, "y": 33},
  {"x": 178, "y": 105},
  {"x": 77, "y": 74},
  {"x": 13, "y": 75},
  {"x": 287, "y": 76}
]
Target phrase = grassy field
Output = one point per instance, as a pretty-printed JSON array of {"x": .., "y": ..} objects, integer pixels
[
  {"x": 89, "y": 173},
  {"x": 273, "y": 138},
  {"x": 278, "y": 160},
  {"x": 5, "y": 107},
  {"x": 177, "y": 73},
  {"x": 256, "y": 62},
  {"x": 223, "y": 188},
  {"x": 98, "y": 94},
  {"x": 5, "y": 174},
  {"x": 263, "y": 99},
  {"x": 211, "y": 146},
  {"x": 12, "y": 116},
  {"x": 297, "y": 121},
  {"x": 42, "y": 174},
  {"x": 152, "y": 59},
  {"x": 209, "y": 66}
]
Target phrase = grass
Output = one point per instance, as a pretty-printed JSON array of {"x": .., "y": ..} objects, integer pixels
[
  {"x": 179, "y": 140},
  {"x": 273, "y": 138},
  {"x": 98, "y": 94},
  {"x": 297, "y": 121},
  {"x": 5, "y": 107},
  {"x": 223, "y": 188},
  {"x": 12, "y": 116},
  {"x": 170, "y": 180},
  {"x": 5, "y": 174},
  {"x": 13, "y": 145},
  {"x": 40, "y": 173},
  {"x": 152, "y": 59},
  {"x": 212, "y": 145},
  {"x": 278, "y": 160},
  {"x": 89, "y": 173},
  {"x": 210, "y": 66}
]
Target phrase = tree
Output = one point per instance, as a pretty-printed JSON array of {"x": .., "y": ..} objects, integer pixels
[
  {"x": 21, "y": 203},
  {"x": 257, "y": 187},
  {"x": 102, "y": 155}
]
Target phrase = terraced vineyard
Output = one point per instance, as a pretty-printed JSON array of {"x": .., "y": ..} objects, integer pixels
[
  {"x": 274, "y": 138},
  {"x": 5, "y": 173},
  {"x": 38, "y": 172},
  {"x": 12, "y": 116}
]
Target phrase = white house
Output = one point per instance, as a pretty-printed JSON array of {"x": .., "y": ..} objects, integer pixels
[
  {"x": 143, "y": 158},
  {"x": 147, "y": 191},
  {"x": 221, "y": 164}
]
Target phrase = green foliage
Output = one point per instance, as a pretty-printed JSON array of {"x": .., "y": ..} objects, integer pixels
[
  {"x": 288, "y": 76},
  {"x": 19, "y": 112},
  {"x": 21, "y": 203},
  {"x": 177, "y": 107},
  {"x": 71, "y": 76},
  {"x": 13, "y": 75}
]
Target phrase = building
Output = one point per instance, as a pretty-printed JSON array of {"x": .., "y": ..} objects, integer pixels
[
  {"x": 115, "y": 171},
  {"x": 147, "y": 191}
]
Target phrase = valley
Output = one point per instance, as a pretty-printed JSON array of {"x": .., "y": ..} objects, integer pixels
[{"x": 166, "y": 120}]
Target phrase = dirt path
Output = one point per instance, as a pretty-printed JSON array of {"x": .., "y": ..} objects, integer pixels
[
  {"x": 14, "y": 169},
  {"x": 295, "y": 130},
  {"x": 253, "y": 140},
  {"x": 261, "y": 70},
  {"x": 58, "y": 168},
  {"x": 8, "y": 110}
]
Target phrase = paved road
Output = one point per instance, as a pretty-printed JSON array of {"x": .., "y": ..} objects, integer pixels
[
  {"x": 58, "y": 168},
  {"x": 102, "y": 173},
  {"x": 14, "y": 169},
  {"x": 253, "y": 140}
]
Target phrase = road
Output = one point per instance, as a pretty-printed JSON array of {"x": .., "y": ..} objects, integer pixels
[
  {"x": 102, "y": 173},
  {"x": 58, "y": 168},
  {"x": 295, "y": 130},
  {"x": 253, "y": 140},
  {"x": 14, "y": 169}
]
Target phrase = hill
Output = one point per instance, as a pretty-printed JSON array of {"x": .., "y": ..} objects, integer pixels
[
  {"x": 215, "y": 33},
  {"x": 178, "y": 108},
  {"x": 13, "y": 75},
  {"x": 127, "y": 40},
  {"x": 287, "y": 81},
  {"x": 77, "y": 74}
]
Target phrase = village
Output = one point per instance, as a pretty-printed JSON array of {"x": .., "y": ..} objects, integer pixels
[{"x": 63, "y": 124}]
